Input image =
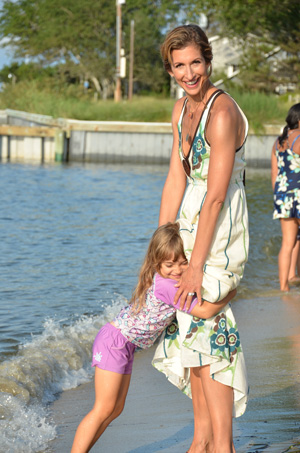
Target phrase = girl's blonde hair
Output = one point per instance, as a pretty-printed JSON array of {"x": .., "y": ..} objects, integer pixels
[{"x": 165, "y": 244}]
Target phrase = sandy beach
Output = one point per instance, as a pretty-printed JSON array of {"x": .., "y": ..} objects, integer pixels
[{"x": 157, "y": 417}]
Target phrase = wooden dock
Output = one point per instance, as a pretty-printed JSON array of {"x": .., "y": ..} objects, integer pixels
[{"x": 27, "y": 137}]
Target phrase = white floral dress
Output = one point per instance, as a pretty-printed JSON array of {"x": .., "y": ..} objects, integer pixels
[
  {"x": 287, "y": 185},
  {"x": 191, "y": 342}
]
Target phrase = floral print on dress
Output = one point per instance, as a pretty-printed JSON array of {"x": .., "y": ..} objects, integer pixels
[
  {"x": 198, "y": 153},
  {"x": 287, "y": 184},
  {"x": 197, "y": 158},
  {"x": 225, "y": 338},
  {"x": 195, "y": 338},
  {"x": 196, "y": 327},
  {"x": 172, "y": 334}
]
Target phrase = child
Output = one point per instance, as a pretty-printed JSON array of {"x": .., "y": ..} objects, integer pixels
[{"x": 139, "y": 324}]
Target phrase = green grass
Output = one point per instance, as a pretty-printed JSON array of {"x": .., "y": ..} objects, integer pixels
[
  {"x": 262, "y": 108},
  {"x": 70, "y": 102}
]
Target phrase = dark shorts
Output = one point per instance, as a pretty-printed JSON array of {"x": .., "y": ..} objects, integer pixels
[{"x": 112, "y": 351}]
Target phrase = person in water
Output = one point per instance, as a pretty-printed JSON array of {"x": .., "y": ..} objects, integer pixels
[{"x": 285, "y": 164}]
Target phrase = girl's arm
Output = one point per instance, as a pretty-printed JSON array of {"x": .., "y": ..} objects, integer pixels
[
  {"x": 165, "y": 290},
  {"x": 224, "y": 133},
  {"x": 176, "y": 180},
  {"x": 208, "y": 309}
]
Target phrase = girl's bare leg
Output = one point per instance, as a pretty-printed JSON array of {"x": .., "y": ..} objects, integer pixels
[
  {"x": 110, "y": 394},
  {"x": 289, "y": 228},
  {"x": 118, "y": 408},
  {"x": 203, "y": 434}
]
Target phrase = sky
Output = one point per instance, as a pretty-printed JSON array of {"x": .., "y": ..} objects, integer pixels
[
  {"x": 5, "y": 58},
  {"x": 5, "y": 55}
]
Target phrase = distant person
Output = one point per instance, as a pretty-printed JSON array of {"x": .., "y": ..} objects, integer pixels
[
  {"x": 285, "y": 164},
  {"x": 205, "y": 181},
  {"x": 137, "y": 325}
]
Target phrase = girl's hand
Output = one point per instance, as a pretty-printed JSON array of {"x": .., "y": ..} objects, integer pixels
[{"x": 190, "y": 282}]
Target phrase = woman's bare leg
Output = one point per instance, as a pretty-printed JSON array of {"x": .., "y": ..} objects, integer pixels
[
  {"x": 110, "y": 394},
  {"x": 294, "y": 273},
  {"x": 289, "y": 228},
  {"x": 219, "y": 400},
  {"x": 203, "y": 434}
]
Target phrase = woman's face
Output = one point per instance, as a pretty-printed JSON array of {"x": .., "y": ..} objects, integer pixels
[{"x": 188, "y": 68}]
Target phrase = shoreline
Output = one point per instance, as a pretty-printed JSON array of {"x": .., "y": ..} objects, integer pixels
[{"x": 158, "y": 417}]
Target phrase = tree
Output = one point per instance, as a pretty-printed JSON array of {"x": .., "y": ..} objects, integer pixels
[
  {"x": 81, "y": 37},
  {"x": 67, "y": 32},
  {"x": 261, "y": 26}
]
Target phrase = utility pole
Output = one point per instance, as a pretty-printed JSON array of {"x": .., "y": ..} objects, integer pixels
[
  {"x": 118, "y": 93},
  {"x": 131, "y": 60}
]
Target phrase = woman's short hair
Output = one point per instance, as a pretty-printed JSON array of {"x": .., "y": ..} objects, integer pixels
[{"x": 181, "y": 37}]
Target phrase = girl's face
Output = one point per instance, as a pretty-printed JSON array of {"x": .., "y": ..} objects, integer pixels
[
  {"x": 173, "y": 269},
  {"x": 188, "y": 68}
]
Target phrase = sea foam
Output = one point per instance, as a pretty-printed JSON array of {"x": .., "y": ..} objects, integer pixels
[{"x": 56, "y": 360}]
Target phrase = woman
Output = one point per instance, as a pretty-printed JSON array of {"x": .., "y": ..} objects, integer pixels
[
  {"x": 209, "y": 132},
  {"x": 285, "y": 164}
]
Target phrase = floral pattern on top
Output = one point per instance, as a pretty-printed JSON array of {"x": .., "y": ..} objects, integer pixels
[{"x": 142, "y": 328}]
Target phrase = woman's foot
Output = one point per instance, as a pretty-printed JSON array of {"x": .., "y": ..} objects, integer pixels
[
  {"x": 294, "y": 280},
  {"x": 285, "y": 289},
  {"x": 201, "y": 448}
]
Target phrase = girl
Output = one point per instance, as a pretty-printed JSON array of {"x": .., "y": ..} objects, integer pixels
[
  {"x": 139, "y": 324},
  {"x": 286, "y": 186}
]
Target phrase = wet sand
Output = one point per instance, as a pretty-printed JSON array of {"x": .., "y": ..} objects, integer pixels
[{"x": 157, "y": 417}]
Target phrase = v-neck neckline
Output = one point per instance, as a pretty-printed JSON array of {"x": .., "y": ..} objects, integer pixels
[{"x": 197, "y": 127}]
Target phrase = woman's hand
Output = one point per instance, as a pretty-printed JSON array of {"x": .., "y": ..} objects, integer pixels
[{"x": 190, "y": 282}]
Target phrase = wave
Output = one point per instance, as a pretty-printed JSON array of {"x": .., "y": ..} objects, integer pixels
[{"x": 56, "y": 360}]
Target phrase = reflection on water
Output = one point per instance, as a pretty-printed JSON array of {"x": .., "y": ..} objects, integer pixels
[{"x": 71, "y": 242}]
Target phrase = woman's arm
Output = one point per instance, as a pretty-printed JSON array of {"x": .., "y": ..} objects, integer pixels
[
  {"x": 224, "y": 133},
  {"x": 274, "y": 168},
  {"x": 175, "y": 184}
]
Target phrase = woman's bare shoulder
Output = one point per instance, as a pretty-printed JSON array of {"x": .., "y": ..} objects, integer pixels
[
  {"x": 225, "y": 103},
  {"x": 225, "y": 109}
]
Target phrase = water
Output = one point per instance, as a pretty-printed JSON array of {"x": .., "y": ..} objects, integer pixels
[{"x": 72, "y": 239}]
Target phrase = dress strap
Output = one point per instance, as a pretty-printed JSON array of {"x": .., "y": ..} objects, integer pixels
[
  {"x": 294, "y": 141},
  {"x": 209, "y": 104},
  {"x": 181, "y": 116}
]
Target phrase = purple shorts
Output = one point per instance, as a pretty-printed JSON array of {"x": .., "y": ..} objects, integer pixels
[{"x": 112, "y": 351}]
